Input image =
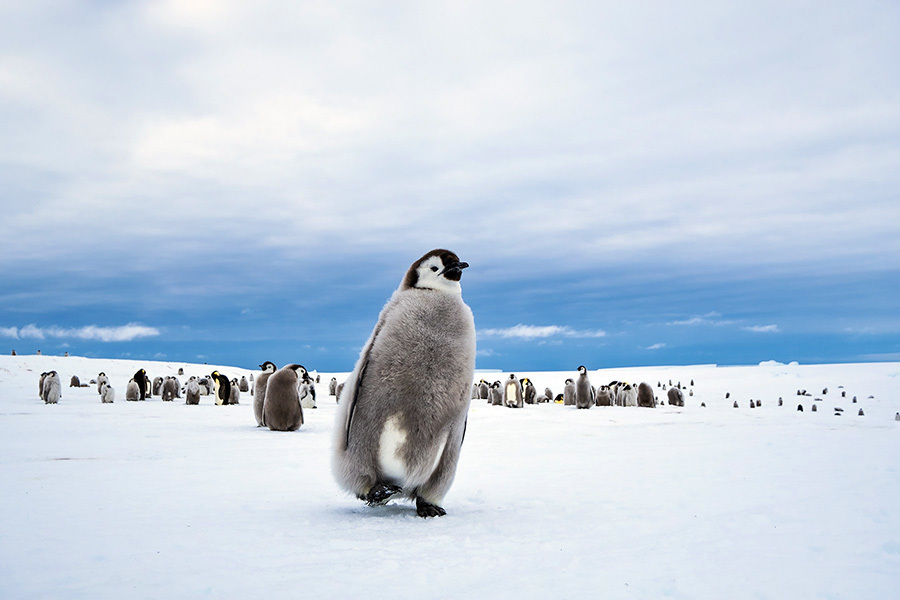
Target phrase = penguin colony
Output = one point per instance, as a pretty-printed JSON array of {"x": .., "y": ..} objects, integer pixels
[{"x": 402, "y": 411}]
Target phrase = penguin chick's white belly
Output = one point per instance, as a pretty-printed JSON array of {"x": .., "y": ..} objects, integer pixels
[
  {"x": 390, "y": 455},
  {"x": 511, "y": 393}
]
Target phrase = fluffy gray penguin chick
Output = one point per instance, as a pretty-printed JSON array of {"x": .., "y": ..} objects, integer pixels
[
  {"x": 401, "y": 416},
  {"x": 584, "y": 394},
  {"x": 282, "y": 410},
  {"x": 259, "y": 391}
]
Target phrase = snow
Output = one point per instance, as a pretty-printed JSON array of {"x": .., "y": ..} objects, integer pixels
[{"x": 153, "y": 499}]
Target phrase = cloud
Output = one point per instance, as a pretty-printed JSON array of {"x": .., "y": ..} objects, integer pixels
[
  {"x": 124, "y": 333},
  {"x": 707, "y": 319},
  {"x": 656, "y": 346},
  {"x": 762, "y": 328},
  {"x": 532, "y": 332}
]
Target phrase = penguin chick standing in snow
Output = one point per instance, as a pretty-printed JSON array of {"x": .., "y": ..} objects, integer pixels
[
  {"x": 222, "y": 387},
  {"x": 584, "y": 393},
  {"x": 282, "y": 410},
  {"x": 402, "y": 414},
  {"x": 569, "y": 392},
  {"x": 259, "y": 391},
  {"x": 51, "y": 388},
  {"x": 512, "y": 392}
]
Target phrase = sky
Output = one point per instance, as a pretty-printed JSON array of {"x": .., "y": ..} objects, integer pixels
[{"x": 642, "y": 183}]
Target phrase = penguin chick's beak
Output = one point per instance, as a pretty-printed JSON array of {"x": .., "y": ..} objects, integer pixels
[{"x": 453, "y": 271}]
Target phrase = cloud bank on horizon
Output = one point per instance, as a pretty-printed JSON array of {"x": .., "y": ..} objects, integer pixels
[{"x": 645, "y": 182}]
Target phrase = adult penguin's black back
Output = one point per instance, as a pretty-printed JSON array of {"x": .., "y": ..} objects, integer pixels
[{"x": 402, "y": 412}]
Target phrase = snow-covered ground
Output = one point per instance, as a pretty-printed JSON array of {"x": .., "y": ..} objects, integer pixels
[{"x": 163, "y": 500}]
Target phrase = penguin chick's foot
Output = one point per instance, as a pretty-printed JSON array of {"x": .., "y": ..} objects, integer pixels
[
  {"x": 380, "y": 494},
  {"x": 426, "y": 509}
]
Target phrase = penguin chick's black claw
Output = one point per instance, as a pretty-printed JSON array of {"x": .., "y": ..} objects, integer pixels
[
  {"x": 381, "y": 493},
  {"x": 426, "y": 509}
]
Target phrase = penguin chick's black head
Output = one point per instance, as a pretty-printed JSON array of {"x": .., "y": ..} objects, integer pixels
[
  {"x": 266, "y": 364},
  {"x": 428, "y": 271},
  {"x": 301, "y": 372}
]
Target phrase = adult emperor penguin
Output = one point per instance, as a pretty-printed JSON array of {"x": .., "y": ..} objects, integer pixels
[
  {"x": 282, "y": 410},
  {"x": 584, "y": 394},
  {"x": 401, "y": 419},
  {"x": 140, "y": 379},
  {"x": 528, "y": 391},
  {"x": 259, "y": 391},
  {"x": 222, "y": 387}
]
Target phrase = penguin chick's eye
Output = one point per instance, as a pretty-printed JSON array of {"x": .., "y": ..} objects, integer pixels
[{"x": 434, "y": 269}]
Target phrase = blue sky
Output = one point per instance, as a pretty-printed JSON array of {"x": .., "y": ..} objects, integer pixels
[{"x": 632, "y": 183}]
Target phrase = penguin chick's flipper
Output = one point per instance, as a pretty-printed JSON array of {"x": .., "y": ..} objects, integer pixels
[
  {"x": 380, "y": 494},
  {"x": 426, "y": 509}
]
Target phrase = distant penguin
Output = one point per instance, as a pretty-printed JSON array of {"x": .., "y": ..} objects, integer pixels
[
  {"x": 222, "y": 388},
  {"x": 132, "y": 391},
  {"x": 235, "y": 391},
  {"x": 51, "y": 388},
  {"x": 402, "y": 417},
  {"x": 780, "y": 401},
  {"x": 101, "y": 379},
  {"x": 752, "y": 403},
  {"x": 548, "y": 395},
  {"x": 529, "y": 394},
  {"x": 603, "y": 396},
  {"x": 814, "y": 409},
  {"x": 897, "y": 416},
  {"x": 645, "y": 396},
  {"x": 140, "y": 380},
  {"x": 484, "y": 390},
  {"x": 192, "y": 392},
  {"x": 244, "y": 386},
  {"x": 157, "y": 386},
  {"x": 282, "y": 410},
  {"x": 799, "y": 408},
  {"x": 861, "y": 413},
  {"x": 332, "y": 386},
  {"x": 74, "y": 382},
  {"x": 584, "y": 393},
  {"x": 496, "y": 394},
  {"x": 512, "y": 392},
  {"x": 168, "y": 389},
  {"x": 259, "y": 391},
  {"x": 569, "y": 392},
  {"x": 735, "y": 405},
  {"x": 107, "y": 394},
  {"x": 307, "y": 392}
]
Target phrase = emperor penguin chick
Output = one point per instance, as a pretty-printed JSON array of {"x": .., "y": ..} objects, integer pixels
[
  {"x": 584, "y": 393},
  {"x": 569, "y": 392},
  {"x": 281, "y": 409},
  {"x": 512, "y": 392},
  {"x": 107, "y": 394},
  {"x": 51, "y": 388},
  {"x": 259, "y": 391},
  {"x": 401, "y": 418}
]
